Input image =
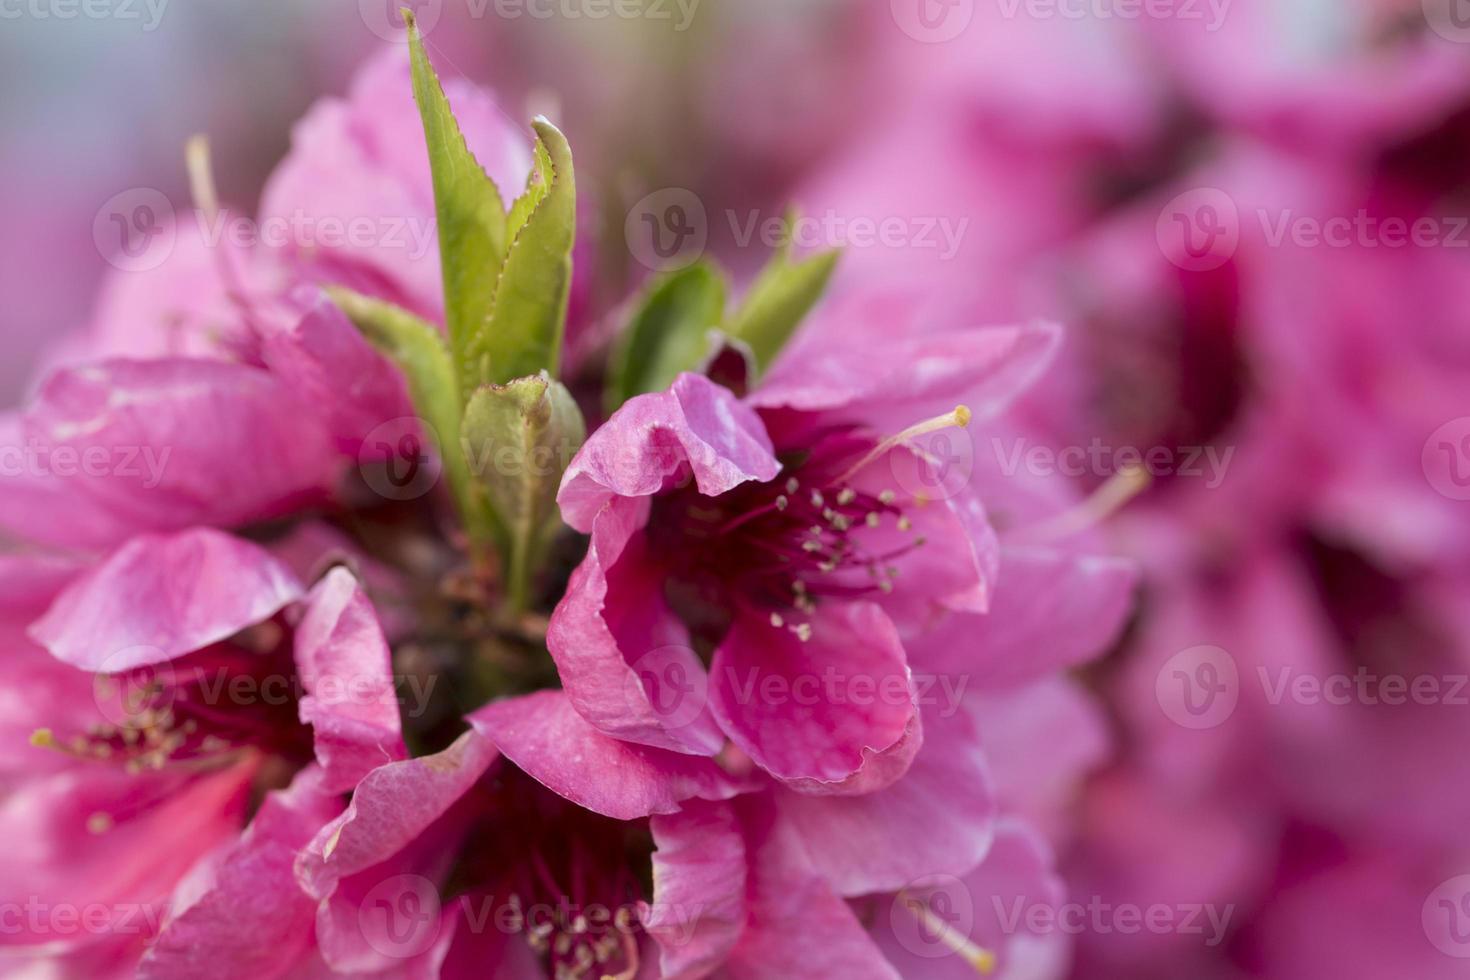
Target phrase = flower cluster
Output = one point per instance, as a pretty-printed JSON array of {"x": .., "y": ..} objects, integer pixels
[{"x": 413, "y": 656}]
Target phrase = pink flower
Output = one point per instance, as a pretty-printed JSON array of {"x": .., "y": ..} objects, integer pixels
[
  {"x": 785, "y": 534},
  {"x": 193, "y": 680}
]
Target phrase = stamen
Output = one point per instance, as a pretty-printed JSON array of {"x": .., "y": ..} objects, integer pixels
[
  {"x": 1107, "y": 500},
  {"x": 981, "y": 960},
  {"x": 201, "y": 177},
  {"x": 960, "y": 418}
]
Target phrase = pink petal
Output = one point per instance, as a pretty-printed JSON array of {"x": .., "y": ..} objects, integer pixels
[
  {"x": 982, "y": 904},
  {"x": 835, "y": 714},
  {"x": 545, "y": 736},
  {"x": 326, "y": 361},
  {"x": 698, "y": 889},
  {"x": 162, "y": 596},
  {"x": 252, "y": 920},
  {"x": 892, "y": 382},
  {"x": 167, "y": 444},
  {"x": 347, "y": 670},
  {"x": 390, "y": 808},
  {"x": 361, "y": 162},
  {"x": 612, "y": 636},
  {"x": 695, "y": 427},
  {"x": 796, "y": 921},
  {"x": 1052, "y": 611},
  {"x": 939, "y": 816}
]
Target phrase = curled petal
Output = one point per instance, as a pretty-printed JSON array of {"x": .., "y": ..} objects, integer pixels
[{"x": 694, "y": 427}]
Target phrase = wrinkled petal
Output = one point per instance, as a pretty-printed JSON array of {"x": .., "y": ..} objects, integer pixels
[
  {"x": 699, "y": 874},
  {"x": 941, "y": 814},
  {"x": 388, "y": 830},
  {"x": 695, "y": 427},
  {"x": 545, "y": 737},
  {"x": 347, "y": 670},
  {"x": 612, "y": 617},
  {"x": 826, "y": 715},
  {"x": 162, "y": 596}
]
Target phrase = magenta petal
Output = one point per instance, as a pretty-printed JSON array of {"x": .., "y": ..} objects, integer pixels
[
  {"x": 695, "y": 426},
  {"x": 161, "y": 596},
  {"x": 835, "y": 714},
  {"x": 795, "y": 919},
  {"x": 390, "y": 808},
  {"x": 984, "y": 905},
  {"x": 940, "y": 815},
  {"x": 172, "y": 443},
  {"x": 893, "y": 382},
  {"x": 1052, "y": 611},
  {"x": 326, "y": 361},
  {"x": 545, "y": 736},
  {"x": 347, "y": 670},
  {"x": 698, "y": 909},
  {"x": 162, "y": 823},
  {"x": 613, "y": 616},
  {"x": 252, "y": 919}
]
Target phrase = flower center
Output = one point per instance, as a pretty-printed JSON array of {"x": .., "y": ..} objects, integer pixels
[
  {"x": 826, "y": 527},
  {"x": 196, "y": 710}
]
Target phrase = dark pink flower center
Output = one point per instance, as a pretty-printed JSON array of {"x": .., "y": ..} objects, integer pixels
[{"x": 777, "y": 549}]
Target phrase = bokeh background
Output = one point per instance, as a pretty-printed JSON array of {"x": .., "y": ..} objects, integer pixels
[{"x": 1253, "y": 217}]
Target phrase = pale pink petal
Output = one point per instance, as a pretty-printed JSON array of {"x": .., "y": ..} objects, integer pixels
[
  {"x": 161, "y": 596},
  {"x": 893, "y": 381},
  {"x": 167, "y": 444}
]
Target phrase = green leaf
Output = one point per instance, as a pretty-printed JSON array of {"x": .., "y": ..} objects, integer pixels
[
  {"x": 518, "y": 439},
  {"x": 418, "y": 350},
  {"x": 668, "y": 333},
  {"x": 468, "y": 207},
  {"x": 779, "y": 299},
  {"x": 522, "y": 335}
]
